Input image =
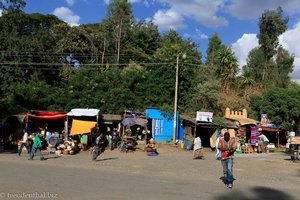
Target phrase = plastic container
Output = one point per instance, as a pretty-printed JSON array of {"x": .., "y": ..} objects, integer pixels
[{"x": 181, "y": 145}]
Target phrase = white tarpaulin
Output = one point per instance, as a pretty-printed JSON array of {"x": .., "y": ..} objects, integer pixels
[{"x": 84, "y": 112}]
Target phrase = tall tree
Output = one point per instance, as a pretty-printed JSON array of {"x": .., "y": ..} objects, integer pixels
[
  {"x": 284, "y": 66},
  {"x": 162, "y": 72},
  {"x": 118, "y": 21},
  {"x": 144, "y": 42},
  {"x": 214, "y": 45},
  {"x": 271, "y": 25},
  {"x": 255, "y": 62},
  {"x": 227, "y": 67}
]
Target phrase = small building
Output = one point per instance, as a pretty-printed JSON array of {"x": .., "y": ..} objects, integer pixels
[
  {"x": 161, "y": 125},
  {"x": 247, "y": 127}
]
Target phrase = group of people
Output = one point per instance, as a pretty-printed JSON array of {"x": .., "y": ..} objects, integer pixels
[
  {"x": 34, "y": 147},
  {"x": 225, "y": 147}
]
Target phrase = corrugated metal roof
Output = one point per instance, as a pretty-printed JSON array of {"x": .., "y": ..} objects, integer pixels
[{"x": 111, "y": 117}]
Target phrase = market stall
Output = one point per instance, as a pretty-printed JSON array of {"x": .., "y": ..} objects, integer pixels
[{"x": 80, "y": 123}]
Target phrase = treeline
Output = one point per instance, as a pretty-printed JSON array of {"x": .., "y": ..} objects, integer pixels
[{"x": 122, "y": 64}]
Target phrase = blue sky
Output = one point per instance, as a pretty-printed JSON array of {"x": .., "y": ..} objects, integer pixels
[{"x": 236, "y": 21}]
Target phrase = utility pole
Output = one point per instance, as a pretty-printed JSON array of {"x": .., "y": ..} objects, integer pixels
[
  {"x": 175, "y": 100},
  {"x": 176, "y": 97}
]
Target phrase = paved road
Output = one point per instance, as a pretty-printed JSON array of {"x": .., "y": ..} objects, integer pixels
[{"x": 171, "y": 175}]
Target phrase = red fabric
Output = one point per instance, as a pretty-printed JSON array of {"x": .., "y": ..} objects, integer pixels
[
  {"x": 222, "y": 142},
  {"x": 47, "y": 115}
]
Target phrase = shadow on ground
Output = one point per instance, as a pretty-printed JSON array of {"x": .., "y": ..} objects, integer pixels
[
  {"x": 104, "y": 159},
  {"x": 257, "y": 193},
  {"x": 223, "y": 179}
]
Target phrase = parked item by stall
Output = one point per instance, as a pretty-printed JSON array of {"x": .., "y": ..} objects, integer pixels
[
  {"x": 115, "y": 140},
  {"x": 128, "y": 144}
]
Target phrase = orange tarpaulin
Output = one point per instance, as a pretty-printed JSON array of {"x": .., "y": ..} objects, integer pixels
[{"x": 81, "y": 127}]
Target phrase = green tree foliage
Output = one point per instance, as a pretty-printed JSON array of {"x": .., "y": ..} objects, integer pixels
[
  {"x": 118, "y": 23},
  {"x": 214, "y": 45},
  {"x": 82, "y": 42},
  {"x": 144, "y": 42},
  {"x": 205, "y": 96},
  {"x": 128, "y": 65},
  {"x": 246, "y": 79},
  {"x": 33, "y": 95},
  {"x": 12, "y": 6},
  {"x": 255, "y": 64},
  {"x": 271, "y": 25},
  {"x": 281, "y": 104},
  {"x": 227, "y": 67},
  {"x": 284, "y": 66},
  {"x": 271, "y": 64},
  {"x": 25, "y": 41},
  {"x": 161, "y": 77}
]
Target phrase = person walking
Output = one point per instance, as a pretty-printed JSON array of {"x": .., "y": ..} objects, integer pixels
[
  {"x": 36, "y": 147},
  {"x": 24, "y": 143},
  {"x": 198, "y": 154},
  {"x": 227, "y": 147}
]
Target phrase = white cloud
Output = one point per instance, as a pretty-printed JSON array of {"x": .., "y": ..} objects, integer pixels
[
  {"x": 201, "y": 35},
  {"x": 203, "y": 11},
  {"x": 168, "y": 19},
  {"x": 246, "y": 9},
  {"x": 147, "y": 3},
  {"x": 243, "y": 46},
  {"x": 0, "y": 13},
  {"x": 70, "y": 2},
  {"x": 133, "y": 1},
  {"x": 67, "y": 15},
  {"x": 288, "y": 40},
  {"x": 130, "y": 1}
]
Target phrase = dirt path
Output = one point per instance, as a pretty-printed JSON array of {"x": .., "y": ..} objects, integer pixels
[{"x": 175, "y": 175}]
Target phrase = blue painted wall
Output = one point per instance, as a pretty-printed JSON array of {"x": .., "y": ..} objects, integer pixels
[{"x": 162, "y": 127}]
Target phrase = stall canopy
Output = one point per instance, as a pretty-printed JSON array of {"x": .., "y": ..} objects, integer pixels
[
  {"x": 83, "y": 120},
  {"x": 46, "y": 115},
  {"x": 53, "y": 119},
  {"x": 84, "y": 112},
  {"x": 135, "y": 121}
]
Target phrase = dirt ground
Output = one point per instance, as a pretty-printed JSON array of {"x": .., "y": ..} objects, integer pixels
[{"x": 173, "y": 174}]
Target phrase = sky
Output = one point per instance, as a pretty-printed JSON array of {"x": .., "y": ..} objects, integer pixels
[{"x": 235, "y": 21}]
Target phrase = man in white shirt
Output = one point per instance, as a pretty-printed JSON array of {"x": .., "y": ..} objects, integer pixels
[
  {"x": 264, "y": 139},
  {"x": 24, "y": 143},
  {"x": 198, "y": 154}
]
